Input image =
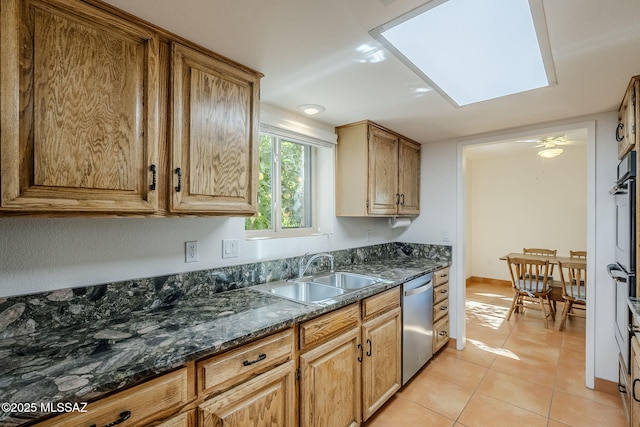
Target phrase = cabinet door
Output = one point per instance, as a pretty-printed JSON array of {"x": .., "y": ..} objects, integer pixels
[
  {"x": 330, "y": 383},
  {"x": 383, "y": 172},
  {"x": 267, "y": 400},
  {"x": 215, "y": 135},
  {"x": 381, "y": 366},
  {"x": 409, "y": 178},
  {"x": 626, "y": 130},
  {"x": 78, "y": 109}
]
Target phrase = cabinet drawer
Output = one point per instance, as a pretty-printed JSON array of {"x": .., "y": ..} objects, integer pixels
[
  {"x": 139, "y": 403},
  {"x": 440, "y": 333},
  {"x": 440, "y": 276},
  {"x": 380, "y": 303},
  {"x": 440, "y": 293},
  {"x": 440, "y": 310},
  {"x": 329, "y": 325},
  {"x": 221, "y": 372}
]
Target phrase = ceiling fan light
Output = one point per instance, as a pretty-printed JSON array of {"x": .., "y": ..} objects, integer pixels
[{"x": 550, "y": 153}]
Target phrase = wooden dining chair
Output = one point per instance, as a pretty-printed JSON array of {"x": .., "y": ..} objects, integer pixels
[
  {"x": 574, "y": 289},
  {"x": 578, "y": 254},
  {"x": 529, "y": 282},
  {"x": 544, "y": 252}
]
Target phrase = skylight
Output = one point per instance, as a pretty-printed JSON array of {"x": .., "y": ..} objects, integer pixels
[{"x": 471, "y": 51}]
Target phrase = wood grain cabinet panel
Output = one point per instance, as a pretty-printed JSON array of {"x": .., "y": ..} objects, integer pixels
[
  {"x": 265, "y": 401},
  {"x": 79, "y": 109},
  {"x": 382, "y": 360},
  {"x": 377, "y": 172},
  {"x": 330, "y": 384},
  {"x": 626, "y": 132},
  {"x": 408, "y": 177},
  {"x": 214, "y": 137},
  {"x": 134, "y": 407},
  {"x": 383, "y": 172},
  {"x": 440, "y": 308}
]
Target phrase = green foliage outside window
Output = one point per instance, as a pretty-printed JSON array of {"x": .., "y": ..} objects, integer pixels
[{"x": 294, "y": 197}]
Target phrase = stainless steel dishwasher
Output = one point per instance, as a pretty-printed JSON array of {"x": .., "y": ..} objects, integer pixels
[{"x": 417, "y": 324}]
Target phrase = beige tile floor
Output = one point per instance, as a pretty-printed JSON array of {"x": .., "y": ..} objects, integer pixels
[{"x": 514, "y": 373}]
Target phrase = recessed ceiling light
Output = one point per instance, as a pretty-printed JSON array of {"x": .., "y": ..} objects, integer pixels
[
  {"x": 470, "y": 51},
  {"x": 311, "y": 109}
]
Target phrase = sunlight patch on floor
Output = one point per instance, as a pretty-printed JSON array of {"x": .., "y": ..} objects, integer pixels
[{"x": 497, "y": 351}]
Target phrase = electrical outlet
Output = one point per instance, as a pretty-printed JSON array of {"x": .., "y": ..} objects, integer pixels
[{"x": 191, "y": 251}]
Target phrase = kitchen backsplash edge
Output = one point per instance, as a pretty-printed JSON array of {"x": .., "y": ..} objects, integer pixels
[{"x": 20, "y": 315}]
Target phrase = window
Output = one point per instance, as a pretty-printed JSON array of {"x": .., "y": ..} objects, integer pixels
[{"x": 285, "y": 204}]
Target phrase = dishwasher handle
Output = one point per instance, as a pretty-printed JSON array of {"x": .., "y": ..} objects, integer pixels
[{"x": 420, "y": 289}]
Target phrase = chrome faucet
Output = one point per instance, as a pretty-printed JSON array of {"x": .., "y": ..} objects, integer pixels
[{"x": 303, "y": 268}]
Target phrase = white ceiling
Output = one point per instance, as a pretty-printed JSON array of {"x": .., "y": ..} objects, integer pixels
[{"x": 320, "y": 52}]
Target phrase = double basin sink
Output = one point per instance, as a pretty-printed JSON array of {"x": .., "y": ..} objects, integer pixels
[{"x": 316, "y": 289}]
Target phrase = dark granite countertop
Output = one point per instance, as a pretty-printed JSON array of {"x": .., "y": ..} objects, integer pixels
[{"x": 79, "y": 363}]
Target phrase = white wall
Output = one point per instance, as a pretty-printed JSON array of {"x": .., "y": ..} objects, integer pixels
[
  {"x": 440, "y": 192},
  {"x": 521, "y": 200}
]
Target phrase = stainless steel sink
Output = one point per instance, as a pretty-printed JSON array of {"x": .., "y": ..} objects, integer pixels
[
  {"x": 307, "y": 291},
  {"x": 347, "y": 281}
]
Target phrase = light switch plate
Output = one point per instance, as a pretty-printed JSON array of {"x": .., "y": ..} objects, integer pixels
[{"x": 230, "y": 248}]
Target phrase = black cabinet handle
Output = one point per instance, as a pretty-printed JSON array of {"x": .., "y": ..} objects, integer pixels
[
  {"x": 443, "y": 307},
  {"x": 443, "y": 333},
  {"x": 369, "y": 352},
  {"x": 622, "y": 389},
  {"x": 444, "y": 291},
  {"x": 397, "y": 198},
  {"x": 179, "y": 173},
  {"x": 251, "y": 362},
  {"x": 360, "y": 357},
  {"x": 124, "y": 416},
  {"x": 633, "y": 390},
  {"x": 154, "y": 178},
  {"x": 402, "y": 199},
  {"x": 618, "y": 129}
]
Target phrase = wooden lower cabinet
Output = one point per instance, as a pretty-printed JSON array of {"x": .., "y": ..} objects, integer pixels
[
  {"x": 267, "y": 400},
  {"x": 382, "y": 361},
  {"x": 330, "y": 383},
  {"x": 139, "y": 405},
  {"x": 353, "y": 371},
  {"x": 186, "y": 419}
]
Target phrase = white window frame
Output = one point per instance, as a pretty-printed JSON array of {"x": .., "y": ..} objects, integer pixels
[{"x": 277, "y": 231}]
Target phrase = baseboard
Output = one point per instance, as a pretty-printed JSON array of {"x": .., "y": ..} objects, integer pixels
[{"x": 488, "y": 280}]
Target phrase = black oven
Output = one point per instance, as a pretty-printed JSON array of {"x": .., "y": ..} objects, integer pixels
[{"x": 623, "y": 271}]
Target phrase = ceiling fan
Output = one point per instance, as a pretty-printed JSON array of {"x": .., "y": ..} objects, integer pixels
[{"x": 549, "y": 145}]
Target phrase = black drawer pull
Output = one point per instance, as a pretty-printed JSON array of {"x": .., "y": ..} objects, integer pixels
[
  {"x": 622, "y": 389},
  {"x": 179, "y": 186},
  {"x": 443, "y": 308},
  {"x": 154, "y": 179},
  {"x": 443, "y": 333},
  {"x": 251, "y": 362},
  {"x": 444, "y": 291},
  {"x": 124, "y": 416}
]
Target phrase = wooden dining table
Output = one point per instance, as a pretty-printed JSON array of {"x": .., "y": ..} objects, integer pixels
[{"x": 556, "y": 285}]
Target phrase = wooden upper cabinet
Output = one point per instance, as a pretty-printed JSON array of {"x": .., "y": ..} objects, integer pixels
[
  {"x": 377, "y": 172},
  {"x": 215, "y": 134},
  {"x": 383, "y": 172},
  {"x": 409, "y": 177},
  {"x": 78, "y": 110},
  {"x": 626, "y": 134}
]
